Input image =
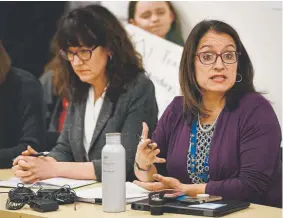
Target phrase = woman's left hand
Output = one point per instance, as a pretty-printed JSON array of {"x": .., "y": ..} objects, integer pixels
[
  {"x": 163, "y": 183},
  {"x": 172, "y": 183},
  {"x": 31, "y": 169}
]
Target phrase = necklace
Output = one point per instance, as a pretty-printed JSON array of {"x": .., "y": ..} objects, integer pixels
[{"x": 211, "y": 126}]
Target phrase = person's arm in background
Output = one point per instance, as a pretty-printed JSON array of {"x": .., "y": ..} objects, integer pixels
[
  {"x": 31, "y": 123},
  {"x": 142, "y": 108},
  {"x": 259, "y": 152}
]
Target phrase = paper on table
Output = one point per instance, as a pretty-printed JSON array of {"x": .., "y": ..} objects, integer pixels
[
  {"x": 50, "y": 183},
  {"x": 133, "y": 193}
]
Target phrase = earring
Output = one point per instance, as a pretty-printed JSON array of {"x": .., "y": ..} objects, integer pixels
[
  {"x": 110, "y": 57},
  {"x": 241, "y": 78}
]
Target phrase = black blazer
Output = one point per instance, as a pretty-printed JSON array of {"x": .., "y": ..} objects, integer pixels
[
  {"x": 21, "y": 116},
  {"x": 123, "y": 113}
]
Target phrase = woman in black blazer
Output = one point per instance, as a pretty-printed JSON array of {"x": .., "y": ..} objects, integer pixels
[
  {"x": 102, "y": 76},
  {"x": 21, "y": 111}
]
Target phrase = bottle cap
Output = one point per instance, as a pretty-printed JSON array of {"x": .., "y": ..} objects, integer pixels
[{"x": 113, "y": 138}]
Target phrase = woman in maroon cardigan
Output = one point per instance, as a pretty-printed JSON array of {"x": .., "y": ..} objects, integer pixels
[{"x": 221, "y": 137}]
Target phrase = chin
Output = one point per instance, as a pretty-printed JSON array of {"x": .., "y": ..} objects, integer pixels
[{"x": 85, "y": 79}]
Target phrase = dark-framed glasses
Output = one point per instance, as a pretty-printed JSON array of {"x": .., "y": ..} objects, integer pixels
[
  {"x": 83, "y": 54},
  {"x": 228, "y": 57}
]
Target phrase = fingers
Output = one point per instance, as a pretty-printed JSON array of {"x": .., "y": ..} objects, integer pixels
[
  {"x": 143, "y": 144},
  {"x": 18, "y": 171},
  {"x": 21, "y": 157},
  {"x": 152, "y": 146},
  {"x": 152, "y": 154},
  {"x": 24, "y": 164},
  {"x": 25, "y": 153},
  {"x": 150, "y": 186},
  {"x": 23, "y": 173},
  {"x": 160, "y": 178},
  {"x": 15, "y": 161},
  {"x": 159, "y": 160},
  {"x": 144, "y": 131},
  {"x": 15, "y": 168},
  {"x": 31, "y": 150},
  {"x": 167, "y": 181},
  {"x": 29, "y": 179}
]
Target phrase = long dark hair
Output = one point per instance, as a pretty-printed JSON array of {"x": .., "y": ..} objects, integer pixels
[
  {"x": 174, "y": 34},
  {"x": 190, "y": 88},
  {"x": 5, "y": 63},
  {"x": 89, "y": 26}
]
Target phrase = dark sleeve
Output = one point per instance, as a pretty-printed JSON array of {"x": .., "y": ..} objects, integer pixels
[
  {"x": 161, "y": 136},
  {"x": 260, "y": 138},
  {"x": 142, "y": 108},
  {"x": 62, "y": 151},
  {"x": 31, "y": 122}
]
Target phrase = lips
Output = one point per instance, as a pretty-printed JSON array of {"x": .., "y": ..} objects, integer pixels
[
  {"x": 155, "y": 28},
  {"x": 218, "y": 78},
  {"x": 82, "y": 71}
]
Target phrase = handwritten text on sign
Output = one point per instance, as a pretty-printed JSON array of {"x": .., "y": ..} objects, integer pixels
[{"x": 161, "y": 60}]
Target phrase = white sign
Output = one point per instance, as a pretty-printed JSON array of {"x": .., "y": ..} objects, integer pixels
[{"x": 161, "y": 60}]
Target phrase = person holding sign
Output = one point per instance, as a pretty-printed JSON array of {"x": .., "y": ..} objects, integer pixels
[
  {"x": 156, "y": 17},
  {"x": 221, "y": 137},
  {"x": 103, "y": 78}
]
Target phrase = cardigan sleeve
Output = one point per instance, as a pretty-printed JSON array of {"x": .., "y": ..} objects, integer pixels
[
  {"x": 259, "y": 140},
  {"x": 162, "y": 133}
]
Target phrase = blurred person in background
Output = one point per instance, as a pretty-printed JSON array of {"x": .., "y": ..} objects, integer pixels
[
  {"x": 157, "y": 17},
  {"x": 21, "y": 111}
]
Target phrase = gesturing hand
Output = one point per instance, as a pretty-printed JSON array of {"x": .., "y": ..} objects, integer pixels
[{"x": 147, "y": 151}]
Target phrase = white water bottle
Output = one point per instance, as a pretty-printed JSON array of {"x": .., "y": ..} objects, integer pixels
[{"x": 113, "y": 174}]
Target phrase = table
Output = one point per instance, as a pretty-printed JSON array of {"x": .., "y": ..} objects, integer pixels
[{"x": 86, "y": 210}]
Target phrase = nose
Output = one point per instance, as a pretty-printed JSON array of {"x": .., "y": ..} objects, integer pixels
[
  {"x": 219, "y": 65},
  {"x": 154, "y": 18},
  {"x": 77, "y": 61}
]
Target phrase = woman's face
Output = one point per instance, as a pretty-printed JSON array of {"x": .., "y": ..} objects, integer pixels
[
  {"x": 94, "y": 68},
  {"x": 154, "y": 17},
  {"x": 219, "y": 76}
]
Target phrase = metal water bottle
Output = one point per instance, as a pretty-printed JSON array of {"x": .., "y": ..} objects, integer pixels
[{"x": 113, "y": 174}]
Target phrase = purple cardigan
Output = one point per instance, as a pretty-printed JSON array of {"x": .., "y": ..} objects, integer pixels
[{"x": 244, "y": 154}]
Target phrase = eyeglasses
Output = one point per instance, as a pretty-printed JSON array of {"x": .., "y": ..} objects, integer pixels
[
  {"x": 229, "y": 57},
  {"x": 84, "y": 54}
]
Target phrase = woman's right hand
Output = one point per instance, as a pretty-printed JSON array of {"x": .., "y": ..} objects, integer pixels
[
  {"x": 27, "y": 152},
  {"x": 147, "y": 151}
]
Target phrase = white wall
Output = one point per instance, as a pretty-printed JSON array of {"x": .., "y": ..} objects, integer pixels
[{"x": 259, "y": 25}]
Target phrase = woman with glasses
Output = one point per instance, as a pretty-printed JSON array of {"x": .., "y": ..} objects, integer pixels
[
  {"x": 103, "y": 78},
  {"x": 221, "y": 137}
]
